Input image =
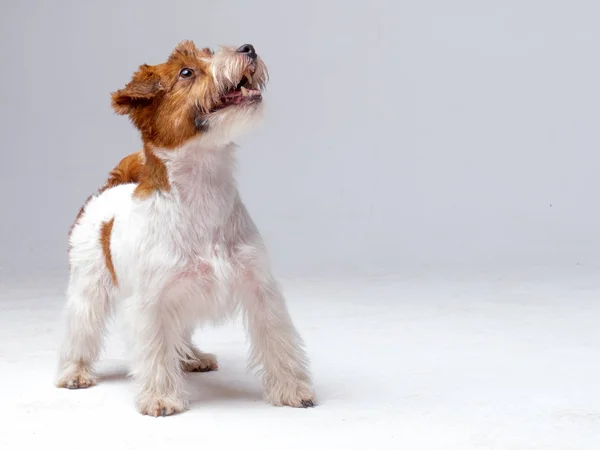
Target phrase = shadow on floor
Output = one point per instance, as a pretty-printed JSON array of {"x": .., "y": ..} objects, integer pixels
[{"x": 202, "y": 387}]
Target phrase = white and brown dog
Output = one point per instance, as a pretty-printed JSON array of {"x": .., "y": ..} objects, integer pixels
[{"x": 169, "y": 240}]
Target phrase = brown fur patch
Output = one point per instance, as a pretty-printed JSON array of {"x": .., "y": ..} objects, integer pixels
[
  {"x": 165, "y": 107},
  {"x": 162, "y": 104},
  {"x": 105, "y": 232},
  {"x": 152, "y": 177},
  {"x": 128, "y": 170}
]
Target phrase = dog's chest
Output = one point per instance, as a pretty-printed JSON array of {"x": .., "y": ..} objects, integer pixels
[
  {"x": 206, "y": 284},
  {"x": 205, "y": 259},
  {"x": 218, "y": 264}
]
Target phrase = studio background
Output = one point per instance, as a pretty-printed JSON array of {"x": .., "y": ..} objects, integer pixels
[
  {"x": 425, "y": 179},
  {"x": 397, "y": 136}
]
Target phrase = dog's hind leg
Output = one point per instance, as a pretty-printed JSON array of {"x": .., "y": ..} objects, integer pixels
[
  {"x": 195, "y": 360},
  {"x": 88, "y": 307}
]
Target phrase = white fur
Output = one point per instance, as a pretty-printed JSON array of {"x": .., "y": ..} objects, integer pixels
[{"x": 182, "y": 258}]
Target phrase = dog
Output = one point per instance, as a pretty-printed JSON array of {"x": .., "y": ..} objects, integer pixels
[{"x": 168, "y": 241}]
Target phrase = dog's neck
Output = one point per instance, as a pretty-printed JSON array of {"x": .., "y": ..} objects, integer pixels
[{"x": 195, "y": 171}]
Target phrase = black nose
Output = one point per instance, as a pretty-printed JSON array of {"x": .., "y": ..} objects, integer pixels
[{"x": 248, "y": 50}]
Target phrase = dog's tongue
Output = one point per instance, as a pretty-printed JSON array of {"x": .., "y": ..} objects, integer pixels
[
  {"x": 239, "y": 95},
  {"x": 232, "y": 97}
]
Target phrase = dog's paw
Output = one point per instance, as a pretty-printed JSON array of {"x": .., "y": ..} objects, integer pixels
[
  {"x": 297, "y": 394},
  {"x": 77, "y": 379},
  {"x": 160, "y": 406},
  {"x": 204, "y": 362}
]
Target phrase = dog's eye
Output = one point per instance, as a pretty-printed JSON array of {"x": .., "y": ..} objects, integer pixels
[{"x": 186, "y": 73}]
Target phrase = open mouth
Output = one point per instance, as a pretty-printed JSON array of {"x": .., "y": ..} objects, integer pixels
[{"x": 244, "y": 92}]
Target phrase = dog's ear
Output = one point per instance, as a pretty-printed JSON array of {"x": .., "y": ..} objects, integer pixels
[{"x": 142, "y": 88}]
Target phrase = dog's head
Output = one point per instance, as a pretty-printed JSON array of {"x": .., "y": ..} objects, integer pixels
[{"x": 195, "y": 94}]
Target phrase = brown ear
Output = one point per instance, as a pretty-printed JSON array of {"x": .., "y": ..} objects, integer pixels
[{"x": 144, "y": 86}]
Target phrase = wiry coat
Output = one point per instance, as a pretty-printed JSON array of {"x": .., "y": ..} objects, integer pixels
[{"x": 169, "y": 240}]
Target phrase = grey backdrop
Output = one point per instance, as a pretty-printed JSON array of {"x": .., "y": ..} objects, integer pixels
[{"x": 398, "y": 134}]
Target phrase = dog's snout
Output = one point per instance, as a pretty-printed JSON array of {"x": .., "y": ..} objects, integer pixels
[{"x": 248, "y": 50}]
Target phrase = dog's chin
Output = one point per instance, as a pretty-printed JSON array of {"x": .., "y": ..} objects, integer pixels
[{"x": 229, "y": 123}]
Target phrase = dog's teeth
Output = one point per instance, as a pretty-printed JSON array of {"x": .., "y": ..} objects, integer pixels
[
  {"x": 244, "y": 91},
  {"x": 249, "y": 78}
]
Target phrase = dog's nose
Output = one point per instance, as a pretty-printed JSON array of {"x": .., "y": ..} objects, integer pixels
[{"x": 248, "y": 50}]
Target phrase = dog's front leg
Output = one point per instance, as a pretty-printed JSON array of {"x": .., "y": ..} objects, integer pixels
[
  {"x": 277, "y": 348},
  {"x": 157, "y": 340}
]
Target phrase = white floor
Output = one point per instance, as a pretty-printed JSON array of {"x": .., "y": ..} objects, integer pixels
[{"x": 423, "y": 363}]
